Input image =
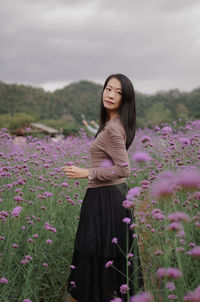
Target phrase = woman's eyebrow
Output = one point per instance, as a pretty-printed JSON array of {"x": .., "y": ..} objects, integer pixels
[{"x": 114, "y": 88}]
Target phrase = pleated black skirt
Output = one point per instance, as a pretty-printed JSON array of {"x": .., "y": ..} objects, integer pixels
[{"x": 100, "y": 221}]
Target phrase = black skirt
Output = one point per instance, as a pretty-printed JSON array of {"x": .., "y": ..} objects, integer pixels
[{"x": 100, "y": 221}]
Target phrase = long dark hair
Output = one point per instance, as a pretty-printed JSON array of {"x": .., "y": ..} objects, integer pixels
[{"x": 127, "y": 111}]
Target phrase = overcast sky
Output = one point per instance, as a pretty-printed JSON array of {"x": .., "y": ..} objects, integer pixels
[{"x": 51, "y": 43}]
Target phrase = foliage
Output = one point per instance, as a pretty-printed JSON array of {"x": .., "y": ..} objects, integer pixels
[{"x": 83, "y": 98}]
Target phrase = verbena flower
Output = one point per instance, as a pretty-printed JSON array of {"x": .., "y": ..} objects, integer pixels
[
  {"x": 16, "y": 211},
  {"x": 115, "y": 240},
  {"x": 124, "y": 288},
  {"x": 106, "y": 163},
  {"x": 170, "y": 286},
  {"x": 141, "y": 156},
  {"x": 109, "y": 264},
  {"x": 170, "y": 273},
  {"x": 3, "y": 280},
  {"x": 178, "y": 216},
  {"x": 132, "y": 193},
  {"x": 193, "y": 296},
  {"x": 142, "y": 297},
  {"x": 195, "y": 252},
  {"x": 116, "y": 300},
  {"x": 127, "y": 220},
  {"x": 189, "y": 178}
]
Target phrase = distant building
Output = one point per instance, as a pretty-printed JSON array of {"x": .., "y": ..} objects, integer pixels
[{"x": 36, "y": 127}]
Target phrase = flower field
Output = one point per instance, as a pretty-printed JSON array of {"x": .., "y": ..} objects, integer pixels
[{"x": 39, "y": 211}]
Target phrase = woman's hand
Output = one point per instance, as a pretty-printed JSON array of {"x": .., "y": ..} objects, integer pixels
[{"x": 75, "y": 172}]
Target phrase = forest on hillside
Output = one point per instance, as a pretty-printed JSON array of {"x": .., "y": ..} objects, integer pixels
[{"x": 21, "y": 104}]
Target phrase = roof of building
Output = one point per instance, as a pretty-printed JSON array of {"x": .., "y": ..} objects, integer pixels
[{"x": 44, "y": 128}]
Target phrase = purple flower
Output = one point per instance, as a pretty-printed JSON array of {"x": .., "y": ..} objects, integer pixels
[
  {"x": 178, "y": 216},
  {"x": 141, "y": 156},
  {"x": 49, "y": 241},
  {"x": 14, "y": 245},
  {"x": 170, "y": 286},
  {"x": 106, "y": 163},
  {"x": 109, "y": 264},
  {"x": 145, "y": 139},
  {"x": 128, "y": 204},
  {"x": 132, "y": 193},
  {"x": 193, "y": 296},
  {"x": 142, "y": 297},
  {"x": 28, "y": 257},
  {"x": 175, "y": 226},
  {"x": 127, "y": 220},
  {"x": 72, "y": 266},
  {"x": 195, "y": 252},
  {"x": 173, "y": 273},
  {"x": 184, "y": 141},
  {"x": 3, "y": 280},
  {"x": 124, "y": 288},
  {"x": 170, "y": 273},
  {"x": 116, "y": 300},
  {"x": 73, "y": 283},
  {"x": 162, "y": 188},
  {"x": 45, "y": 264},
  {"x": 166, "y": 130},
  {"x": 27, "y": 300},
  {"x": 189, "y": 178},
  {"x": 172, "y": 297},
  {"x": 16, "y": 211},
  {"x": 115, "y": 240}
]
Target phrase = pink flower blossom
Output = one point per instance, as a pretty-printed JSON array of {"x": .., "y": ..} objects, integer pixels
[
  {"x": 49, "y": 241},
  {"x": 116, "y": 300},
  {"x": 193, "y": 296},
  {"x": 106, "y": 163},
  {"x": 109, "y": 264},
  {"x": 141, "y": 156},
  {"x": 142, "y": 297},
  {"x": 175, "y": 226},
  {"x": 128, "y": 204},
  {"x": 16, "y": 211},
  {"x": 170, "y": 286},
  {"x": 195, "y": 252},
  {"x": 115, "y": 240},
  {"x": 132, "y": 193},
  {"x": 178, "y": 216},
  {"x": 166, "y": 130},
  {"x": 189, "y": 178},
  {"x": 127, "y": 220},
  {"x": 124, "y": 288},
  {"x": 3, "y": 280},
  {"x": 170, "y": 273}
]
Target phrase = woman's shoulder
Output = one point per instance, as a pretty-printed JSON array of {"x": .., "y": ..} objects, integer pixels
[{"x": 115, "y": 127}]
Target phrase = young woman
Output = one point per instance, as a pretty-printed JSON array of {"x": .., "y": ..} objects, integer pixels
[{"x": 101, "y": 227}]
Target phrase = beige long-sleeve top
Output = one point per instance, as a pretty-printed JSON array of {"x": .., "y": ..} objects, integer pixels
[{"x": 109, "y": 158}]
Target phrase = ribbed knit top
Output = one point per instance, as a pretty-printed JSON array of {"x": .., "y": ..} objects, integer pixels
[{"x": 109, "y": 158}]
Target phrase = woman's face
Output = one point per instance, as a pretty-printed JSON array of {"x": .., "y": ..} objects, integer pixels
[{"x": 112, "y": 95}]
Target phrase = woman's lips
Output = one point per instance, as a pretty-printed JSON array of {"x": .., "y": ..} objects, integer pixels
[{"x": 108, "y": 102}]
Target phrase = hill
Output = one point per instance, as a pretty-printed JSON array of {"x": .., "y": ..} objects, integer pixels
[{"x": 64, "y": 107}]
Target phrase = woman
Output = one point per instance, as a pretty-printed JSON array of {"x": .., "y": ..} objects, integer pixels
[{"x": 93, "y": 278}]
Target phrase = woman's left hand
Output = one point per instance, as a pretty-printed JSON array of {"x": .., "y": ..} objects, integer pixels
[{"x": 75, "y": 172}]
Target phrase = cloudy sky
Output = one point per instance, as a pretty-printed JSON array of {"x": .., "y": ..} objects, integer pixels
[{"x": 51, "y": 43}]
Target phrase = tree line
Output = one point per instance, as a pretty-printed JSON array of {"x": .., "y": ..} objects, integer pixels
[{"x": 63, "y": 108}]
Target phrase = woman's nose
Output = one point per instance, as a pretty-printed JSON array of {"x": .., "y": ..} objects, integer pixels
[{"x": 111, "y": 94}]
